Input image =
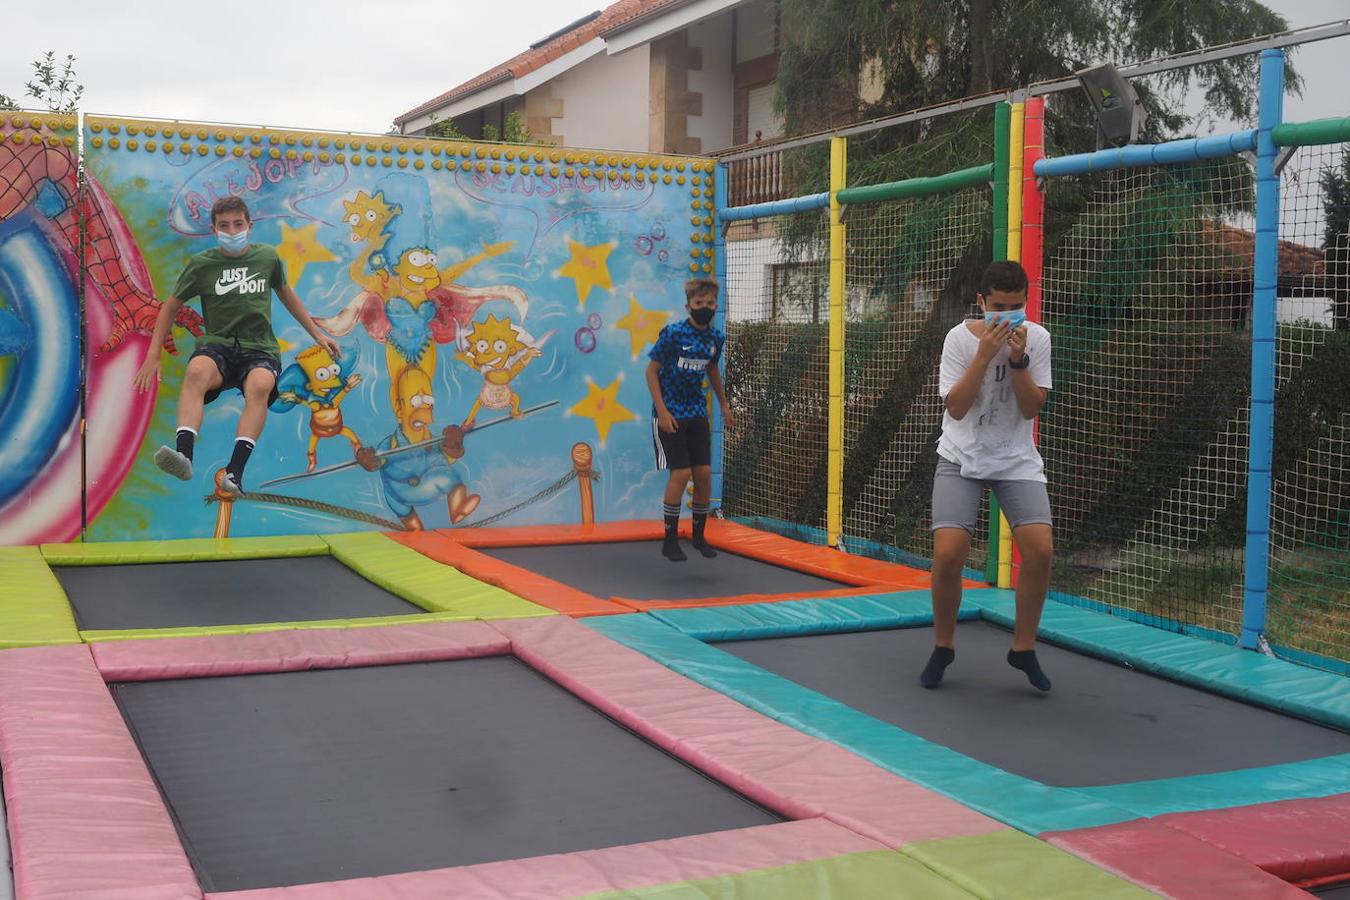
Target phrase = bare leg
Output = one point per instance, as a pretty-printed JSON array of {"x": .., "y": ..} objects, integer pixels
[
  {"x": 258, "y": 385},
  {"x": 201, "y": 376},
  {"x": 951, "y": 546},
  {"x": 702, "y": 485},
  {"x": 679, "y": 479},
  {"x": 702, "y": 498},
  {"x": 257, "y": 392},
  {"x": 1036, "y": 544}
]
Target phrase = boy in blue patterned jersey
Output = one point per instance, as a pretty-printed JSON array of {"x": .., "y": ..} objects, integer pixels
[{"x": 681, "y": 357}]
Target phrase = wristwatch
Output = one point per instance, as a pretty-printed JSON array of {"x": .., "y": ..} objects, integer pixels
[{"x": 1026, "y": 361}]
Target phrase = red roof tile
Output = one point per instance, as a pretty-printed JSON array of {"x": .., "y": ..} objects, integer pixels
[
  {"x": 1294, "y": 259},
  {"x": 614, "y": 17}
]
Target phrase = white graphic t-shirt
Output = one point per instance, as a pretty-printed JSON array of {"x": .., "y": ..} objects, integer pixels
[{"x": 994, "y": 440}]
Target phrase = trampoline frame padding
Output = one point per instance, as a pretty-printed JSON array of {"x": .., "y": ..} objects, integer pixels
[
  {"x": 462, "y": 548},
  {"x": 1312, "y": 792},
  {"x": 37, "y": 612},
  {"x": 67, "y": 846},
  {"x": 630, "y": 569},
  {"x": 129, "y": 597},
  {"x": 1104, "y": 725},
  {"x": 462, "y": 762}
]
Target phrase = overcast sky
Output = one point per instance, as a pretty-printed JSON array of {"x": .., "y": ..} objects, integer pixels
[{"x": 347, "y": 65}]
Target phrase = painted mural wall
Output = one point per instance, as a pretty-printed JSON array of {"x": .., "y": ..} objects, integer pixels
[
  {"x": 40, "y": 366},
  {"x": 511, "y": 291}
]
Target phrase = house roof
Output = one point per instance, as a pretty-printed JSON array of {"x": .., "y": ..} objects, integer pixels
[
  {"x": 1295, "y": 259},
  {"x": 613, "y": 18}
]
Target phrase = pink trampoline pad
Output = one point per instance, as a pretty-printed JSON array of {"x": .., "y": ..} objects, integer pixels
[
  {"x": 158, "y": 659},
  {"x": 86, "y": 815},
  {"x": 85, "y": 820},
  {"x": 782, "y": 768},
  {"x": 1172, "y": 863},
  {"x": 1303, "y": 841}
]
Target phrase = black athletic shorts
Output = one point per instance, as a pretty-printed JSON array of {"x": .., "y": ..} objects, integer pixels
[
  {"x": 234, "y": 364},
  {"x": 690, "y": 445}
]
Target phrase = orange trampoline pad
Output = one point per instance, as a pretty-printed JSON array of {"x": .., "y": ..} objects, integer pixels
[{"x": 469, "y": 551}]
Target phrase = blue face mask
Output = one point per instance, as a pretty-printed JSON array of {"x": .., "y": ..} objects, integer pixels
[
  {"x": 1015, "y": 318},
  {"x": 233, "y": 243}
]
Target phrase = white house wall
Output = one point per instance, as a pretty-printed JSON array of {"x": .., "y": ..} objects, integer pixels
[
  {"x": 605, "y": 102},
  {"x": 715, "y": 82}
]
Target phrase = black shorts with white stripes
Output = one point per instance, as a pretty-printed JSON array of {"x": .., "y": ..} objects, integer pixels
[{"x": 689, "y": 446}]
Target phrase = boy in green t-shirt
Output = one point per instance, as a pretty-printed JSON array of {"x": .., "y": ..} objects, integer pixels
[{"x": 235, "y": 282}]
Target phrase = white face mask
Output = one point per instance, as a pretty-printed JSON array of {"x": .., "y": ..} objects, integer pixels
[{"x": 233, "y": 243}]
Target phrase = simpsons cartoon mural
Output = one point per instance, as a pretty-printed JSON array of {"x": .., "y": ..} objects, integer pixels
[{"x": 444, "y": 269}]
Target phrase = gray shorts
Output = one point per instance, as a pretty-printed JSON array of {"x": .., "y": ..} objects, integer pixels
[{"x": 956, "y": 499}]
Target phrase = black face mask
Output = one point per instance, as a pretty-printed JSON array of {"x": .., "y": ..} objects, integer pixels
[{"x": 703, "y": 315}]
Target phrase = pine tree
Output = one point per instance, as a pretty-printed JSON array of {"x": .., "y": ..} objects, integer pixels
[{"x": 1336, "y": 239}]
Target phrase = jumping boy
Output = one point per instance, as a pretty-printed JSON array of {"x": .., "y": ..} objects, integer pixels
[
  {"x": 683, "y": 354},
  {"x": 994, "y": 379},
  {"x": 235, "y": 281}
]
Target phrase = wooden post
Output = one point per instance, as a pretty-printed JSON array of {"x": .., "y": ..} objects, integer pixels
[
  {"x": 224, "y": 506},
  {"x": 582, "y": 458}
]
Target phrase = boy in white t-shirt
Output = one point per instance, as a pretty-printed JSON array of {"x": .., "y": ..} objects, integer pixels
[{"x": 994, "y": 379}]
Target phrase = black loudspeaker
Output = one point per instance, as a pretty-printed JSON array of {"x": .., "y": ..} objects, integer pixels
[{"x": 1120, "y": 115}]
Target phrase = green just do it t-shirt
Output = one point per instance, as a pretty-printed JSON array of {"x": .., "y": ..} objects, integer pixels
[{"x": 236, "y": 296}]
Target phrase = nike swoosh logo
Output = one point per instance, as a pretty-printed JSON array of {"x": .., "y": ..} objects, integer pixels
[{"x": 222, "y": 288}]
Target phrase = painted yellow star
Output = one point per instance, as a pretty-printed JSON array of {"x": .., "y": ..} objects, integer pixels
[
  {"x": 588, "y": 267},
  {"x": 602, "y": 405},
  {"x": 643, "y": 325},
  {"x": 299, "y": 247},
  {"x": 285, "y": 345}
]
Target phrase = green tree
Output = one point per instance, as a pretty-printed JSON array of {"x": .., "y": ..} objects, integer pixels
[
  {"x": 53, "y": 85},
  {"x": 512, "y": 132},
  {"x": 1336, "y": 238},
  {"x": 923, "y": 54}
]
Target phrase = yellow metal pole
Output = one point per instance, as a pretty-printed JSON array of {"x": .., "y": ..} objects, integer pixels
[
  {"x": 1015, "y": 140},
  {"x": 834, "y": 502}
]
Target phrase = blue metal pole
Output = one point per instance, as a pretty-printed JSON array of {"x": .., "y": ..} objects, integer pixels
[
  {"x": 723, "y": 310},
  {"x": 1146, "y": 155},
  {"x": 774, "y": 207},
  {"x": 1264, "y": 277}
]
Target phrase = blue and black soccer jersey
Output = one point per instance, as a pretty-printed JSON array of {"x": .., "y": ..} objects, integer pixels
[{"x": 684, "y": 353}]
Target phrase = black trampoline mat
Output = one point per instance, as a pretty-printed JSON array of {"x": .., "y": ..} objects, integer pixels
[
  {"x": 636, "y": 570},
  {"x": 1333, "y": 892},
  {"x": 1102, "y": 723},
  {"x": 231, "y": 592},
  {"x": 302, "y": 777}
]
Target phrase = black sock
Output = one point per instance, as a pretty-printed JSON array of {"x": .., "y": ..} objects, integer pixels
[
  {"x": 1026, "y": 661},
  {"x": 186, "y": 438},
  {"x": 932, "y": 673},
  {"x": 670, "y": 548},
  {"x": 242, "y": 448},
  {"x": 700, "y": 523}
]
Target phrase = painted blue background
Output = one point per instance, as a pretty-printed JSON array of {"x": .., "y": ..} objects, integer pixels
[{"x": 165, "y": 197}]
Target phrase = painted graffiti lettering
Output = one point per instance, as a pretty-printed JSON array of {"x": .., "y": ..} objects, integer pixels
[{"x": 240, "y": 178}]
